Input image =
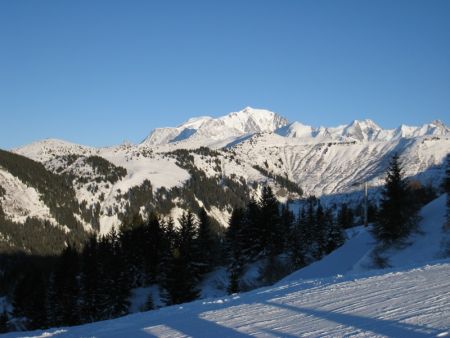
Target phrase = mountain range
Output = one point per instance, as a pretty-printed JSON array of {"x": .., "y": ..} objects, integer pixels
[
  {"x": 218, "y": 132},
  {"x": 233, "y": 154}
]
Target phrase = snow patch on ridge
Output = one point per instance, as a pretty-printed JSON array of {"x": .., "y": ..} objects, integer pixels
[{"x": 21, "y": 201}]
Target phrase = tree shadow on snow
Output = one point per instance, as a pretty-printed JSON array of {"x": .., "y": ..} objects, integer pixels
[
  {"x": 384, "y": 327},
  {"x": 198, "y": 327}
]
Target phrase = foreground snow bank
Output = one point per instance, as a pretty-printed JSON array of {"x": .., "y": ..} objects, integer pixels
[{"x": 394, "y": 303}]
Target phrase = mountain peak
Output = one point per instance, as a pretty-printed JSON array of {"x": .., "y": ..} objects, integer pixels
[
  {"x": 362, "y": 130},
  {"x": 253, "y": 120},
  {"x": 365, "y": 123},
  {"x": 225, "y": 128}
]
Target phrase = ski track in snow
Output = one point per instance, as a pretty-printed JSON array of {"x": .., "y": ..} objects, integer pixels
[{"x": 411, "y": 303}]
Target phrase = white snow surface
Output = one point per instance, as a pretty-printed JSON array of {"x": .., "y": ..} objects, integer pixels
[
  {"x": 335, "y": 297},
  {"x": 398, "y": 303}
]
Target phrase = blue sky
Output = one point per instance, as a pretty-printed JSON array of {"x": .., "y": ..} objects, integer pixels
[{"x": 101, "y": 72}]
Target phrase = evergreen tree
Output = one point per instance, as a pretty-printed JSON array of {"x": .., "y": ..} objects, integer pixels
[
  {"x": 298, "y": 242},
  {"x": 345, "y": 217},
  {"x": 153, "y": 247},
  {"x": 234, "y": 275},
  {"x": 372, "y": 212},
  {"x": 134, "y": 245},
  {"x": 235, "y": 245},
  {"x": 29, "y": 299},
  {"x": 115, "y": 283},
  {"x": 397, "y": 216},
  {"x": 251, "y": 234},
  {"x": 4, "y": 322},
  {"x": 447, "y": 188},
  {"x": 170, "y": 234},
  {"x": 63, "y": 291},
  {"x": 335, "y": 234},
  {"x": 169, "y": 248},
  {"x": 90, "y": 278},
  {"x": 234, "y": 230},
  {"x": 269, "y": 223},
  {"x": 206, "y": 246},
  {"x": 319, "y": 232},
  {"x": 149, "y": 305},
  {"x": 287, "y": 220},
  {"x": 182, "y": 274}
]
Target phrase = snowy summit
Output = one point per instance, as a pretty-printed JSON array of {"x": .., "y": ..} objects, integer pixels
[
  {"x": 210, "y": 130},
  {"x": 237, "y": 126}
]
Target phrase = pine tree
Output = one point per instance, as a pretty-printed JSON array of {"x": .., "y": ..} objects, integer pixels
[
  {"x": 298, "y": 243},
  {"x": 234, "y": 273},
  {"x": 4, "y": 319},
  {"x": 63, "y": 291},
  {"x": 91, "y": 300},
  {"x": 153, "y": 247},
  {"x": 206, "y": 248},
  {"x": 447, "y": 188},
  {"x": 287, "y": 220},
  {"x": 133, "y": 243},
  {"x": 251, "y": 234},
  {"x": 149, "y": 305},
  {"x": 397, "y": 216},
  {"x": 269, "y": 223},
  {"x": 319, "y": 233},
  {"x": 170, "y": 235},
  {"x": 235, "y": 245},
  {"x": 29, "y": 299},
  {"x": 335, "y": 234},
  {"x": 182, "y": 273},
  {"x": 168, "y": 249},
  {"x": 115, "y": 282},
  {"x": 234, "y": 230},
  {"x": 345, "y": 217}
]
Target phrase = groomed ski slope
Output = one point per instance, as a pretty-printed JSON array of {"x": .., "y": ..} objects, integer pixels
[{"x": 412, "y": 301}]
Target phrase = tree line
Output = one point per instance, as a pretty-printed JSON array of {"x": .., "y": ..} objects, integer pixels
[{"x": 95, "y": 283}]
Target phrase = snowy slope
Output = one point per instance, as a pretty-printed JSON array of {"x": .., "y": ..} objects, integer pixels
[
  {"x": 398, "y": 303},
  {"x": 21, "y": 201},
  {"x": 334, "y": 297},
  {"x": 423, "y": 246},
  {"x": 355, "y": 255}
]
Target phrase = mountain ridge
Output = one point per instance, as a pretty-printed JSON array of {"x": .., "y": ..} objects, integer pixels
[
  {"x": 249, "y": 121},
  {"x": 321, "y": 161},
  {"x": 205, "y": 131}
]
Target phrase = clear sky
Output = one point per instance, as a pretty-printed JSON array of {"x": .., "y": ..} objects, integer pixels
[{"x": 101, "y": 72}]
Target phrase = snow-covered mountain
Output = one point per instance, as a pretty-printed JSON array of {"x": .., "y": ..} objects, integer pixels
[
  {"x": 218, "y": 132},
  {"x": 250, "y": 146},
  {"x": 210, "y": 132},
  {"x": 361, "y": 130}
]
